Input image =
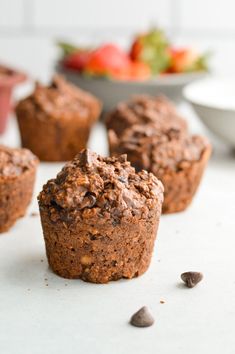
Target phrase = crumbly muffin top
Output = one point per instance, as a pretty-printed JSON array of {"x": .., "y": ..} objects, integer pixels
[
  {"x": 94, "y": 185},
  {"x": 159, "y": 150},
  {"x": 145, "y": 109},
  {"x": 14, "y": 162},
  {"x": 62, "y": 99}
]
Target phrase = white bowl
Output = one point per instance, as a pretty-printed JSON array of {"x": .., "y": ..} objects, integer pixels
[
  {"x": 214, "y": 102},
  {"x": 110, "y": 92}
]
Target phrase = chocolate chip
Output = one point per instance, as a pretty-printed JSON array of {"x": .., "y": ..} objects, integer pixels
[
  {"x": 142, "y": 318},
  {"x": 122, "y": 179},
  {"x": 122, "y": 158},
  {"x": 115, "y": 222},
  {"x": 88, "y": 201},
  {"x": 191, "y": 278},
  {"x": 87, "y": 157}
]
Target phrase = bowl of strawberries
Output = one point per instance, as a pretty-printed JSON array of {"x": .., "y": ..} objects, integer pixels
[{"x": 151, "y": 65}]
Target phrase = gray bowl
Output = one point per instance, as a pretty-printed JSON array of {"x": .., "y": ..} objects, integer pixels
[
  {"x": 214, "y": 102},
  {"x": 110, "y": 92}
]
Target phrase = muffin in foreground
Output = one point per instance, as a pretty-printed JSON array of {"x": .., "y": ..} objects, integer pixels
[
  {"x": 177, "y": 159},
  {"x": 55, "y": 120},
  {"x": 144, "y": 109},
  {"x": 100, "y": 218},
  {"x": 17, "y": 175}
]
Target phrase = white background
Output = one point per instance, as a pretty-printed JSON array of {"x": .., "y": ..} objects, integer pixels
[
  {"x": 42, "y": 313},
  {"x": 29, "y": 28}
]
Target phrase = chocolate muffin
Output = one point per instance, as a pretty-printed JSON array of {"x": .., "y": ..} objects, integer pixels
[
  {"x": 100, "y": 218},
  {"x": 17, "y": 175},
  {"x": 177, "y": 159},
  {"x": 55, "y": 121},
  {"x": 145, "y": 109}
]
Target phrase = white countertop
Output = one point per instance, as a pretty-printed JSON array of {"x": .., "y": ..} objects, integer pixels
[{"x": 41, "y": 313}]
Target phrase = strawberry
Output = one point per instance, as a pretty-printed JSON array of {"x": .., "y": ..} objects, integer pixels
[
  {"x": 107, "y": 60},
  {"x": 73, "y": 57},
  {"x": 140, "y": 71},
  {"x": 67, "y": 48},
  {"x": 135, "y": 71},
  {"x": 77, "y": 60},
  {"x": 136, "y": 48},
  {"x": 187, "y": 60},
  {"x": 152, "y": 49}
]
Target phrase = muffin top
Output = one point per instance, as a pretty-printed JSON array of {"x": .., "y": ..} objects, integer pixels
[
  {"x": 14, "y": 162},
  {"x": 145, "y": 109},
  {"x": 158, "y": 150},
  {"x": 61, "y": 100},
  {"x": 93, "y": 186}
]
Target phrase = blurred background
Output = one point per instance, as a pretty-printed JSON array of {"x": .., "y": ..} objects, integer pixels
[{"x": 29, "y": 28}]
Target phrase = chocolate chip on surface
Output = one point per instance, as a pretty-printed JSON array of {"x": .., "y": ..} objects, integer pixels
[
  {"x": 191, "y": 278},
  {"x": 142, "y": 318}
]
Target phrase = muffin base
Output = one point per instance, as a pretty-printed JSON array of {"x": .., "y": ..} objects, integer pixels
[
  {"x": 15, "y": 196},
  {"x": 99, "y": 253},
  {"x": 53, "y": 140},
  {"x": 181, "y": 186}
]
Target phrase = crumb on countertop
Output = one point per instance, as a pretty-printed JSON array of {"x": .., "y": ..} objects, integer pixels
[{"x": 34, "y": 213}]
